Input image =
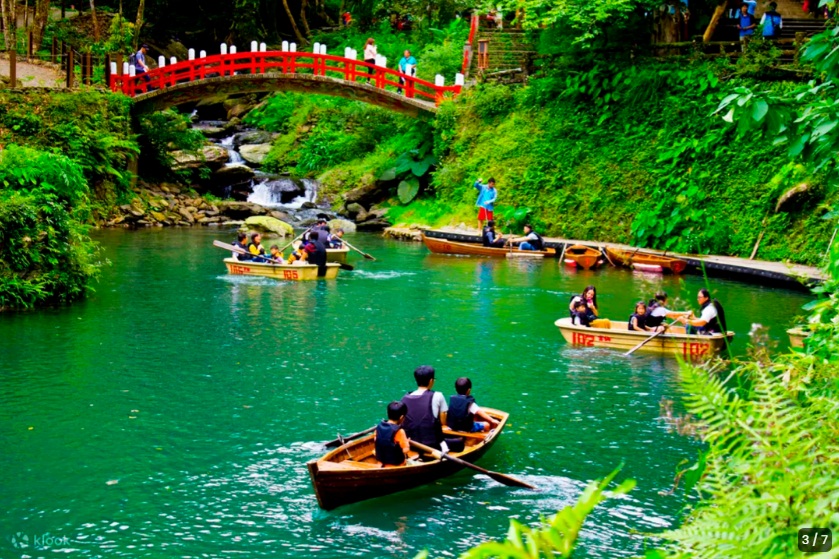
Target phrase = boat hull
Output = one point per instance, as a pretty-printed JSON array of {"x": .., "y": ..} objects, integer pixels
[
  {"x": 797, "y": 337},
  {"x": 338, "y": 483},
  {"x": 338, "y": 255},
  {"x": 302, "y": 272},
  {"x": 647, "y": 262},
  {"x": 583, "y": 257},
  {"x": 675, "y": 342},
  {"x": 444, "y": 246}
]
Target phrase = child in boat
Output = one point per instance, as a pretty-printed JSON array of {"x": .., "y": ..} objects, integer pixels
[
  {"x": 256, "y": 249},
  {"x": 299, "y": 255},
  {"x": 392, "y": 445},
  {"x": 638, "y": 319},
  {"x": 276, "y": 255},
  {"x": 589, "y": 298},
  {"x": 579, "y": 316},
  {"x": 463, "y": 410}
]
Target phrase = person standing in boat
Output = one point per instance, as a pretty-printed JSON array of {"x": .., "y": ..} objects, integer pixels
[
  {"x": 426, "y": 411},
  {"x": 392, "y": 446},
  {"x": 317, "y": 240},
  {"x": 530, "y": 241},
  {"x": 711, "y": 319},
  {"x": 463, "y": 410},
  {"x": 486, "y": 198},
  {"x": 489, "y": 238},
  {"x": 657, "y": 311}
]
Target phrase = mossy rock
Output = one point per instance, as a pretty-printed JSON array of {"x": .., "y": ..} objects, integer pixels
[
  {"x": 268, "y": 225},
  {"x": 347, "y": 226}
]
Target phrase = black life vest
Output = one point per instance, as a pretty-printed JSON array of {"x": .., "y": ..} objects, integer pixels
[
  {"x": 239, "y": 255},
  {"x": 721, "y": 324},
  {"x": 642, "y": 321},
  {"x": 458, "y": 417},
  {"x": 387, "y": 450},
  {"x": 487, "y": 237},
  {"x": 583, "y": 317},
  {"x": 420, "y": 424},
  {"x": 653, "y": 321},
  {"x": 538, "y": 244}
]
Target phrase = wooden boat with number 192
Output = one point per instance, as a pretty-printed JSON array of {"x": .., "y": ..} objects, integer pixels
[
  {"x": 617, "y": 336},
  {"x": 351, "y": 473},
  {"x": 444, "y": 246}
]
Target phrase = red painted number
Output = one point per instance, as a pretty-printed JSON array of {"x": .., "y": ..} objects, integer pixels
[
  {"x": 695, "y": 349},
  {"x": 290, "y": 274},
  {"x": 239, "y": 269},
  {"x": 604, "y": 339},
  {"x": 582, "y": 339}
]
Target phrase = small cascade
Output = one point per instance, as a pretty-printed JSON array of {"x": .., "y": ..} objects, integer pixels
[
  {"x": 235, "y": 157},
  {"x": 283, "y": 192}
]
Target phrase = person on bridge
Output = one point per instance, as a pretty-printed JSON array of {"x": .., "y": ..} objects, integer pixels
[
  {"x": 408, "y": 67},
  {"x": 140, "y": 65},
  {"x": 486, "y": 198},
  {"x": 370, "y": 55}
]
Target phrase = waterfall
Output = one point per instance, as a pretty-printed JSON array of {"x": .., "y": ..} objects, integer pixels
[
  {"x": 235, "y": 158},
  {"x": 284, "y": 192}
]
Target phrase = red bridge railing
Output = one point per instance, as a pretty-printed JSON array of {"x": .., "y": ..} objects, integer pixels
[
  {"x": 282, "y": 62},
  {"x": 468, "y": 50}
]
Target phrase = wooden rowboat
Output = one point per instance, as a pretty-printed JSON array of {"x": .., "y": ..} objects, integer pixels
[
  {"x": 674, "y": 341},
  {"x": 351, "y": 472},
  {"x": 581, "y": 256},
  {"x": 646, "y": 262},
  {"x": 443, "y": 246},
  {"x": 797, "y": 336},
  {"x": 338, "y": 255},
  {"x": 295, "y": 272}
]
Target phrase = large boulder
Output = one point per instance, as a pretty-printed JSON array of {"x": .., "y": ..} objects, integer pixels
[
  {"x": 240, "y": 210},
  {"x": 356, "y": 211},
  {"x": 211, "y": 131},
  {"x": 255, "y": 154},
  {"x": 232, "y": 174},
  {"x": 268, "y": 225},
  {"x": 347, "y": 226},
  {"x": 367, "y": 194},
  {"x": 211, "y": 156},
  {"x": 254, "y": 137}
]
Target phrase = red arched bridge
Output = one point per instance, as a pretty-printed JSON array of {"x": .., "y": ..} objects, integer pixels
[{"x": 262, "y": 71}]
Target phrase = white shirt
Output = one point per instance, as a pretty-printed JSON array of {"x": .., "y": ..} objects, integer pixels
[
  {"x": 708, "y": 313},
  {"x": 369, "y": 52},
  {"x": 660, "y": 311},
  {"x": 438, "y": 401}
]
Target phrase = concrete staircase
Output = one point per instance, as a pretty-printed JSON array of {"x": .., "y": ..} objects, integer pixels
[{"x": 509, "y": 54}]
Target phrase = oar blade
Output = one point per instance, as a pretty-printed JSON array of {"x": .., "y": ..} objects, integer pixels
[
  {"x": 346, "y": 267},
  {"x": 509, "y": 481}
]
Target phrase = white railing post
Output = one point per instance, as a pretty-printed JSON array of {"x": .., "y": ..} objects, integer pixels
[
  {"x": 323, "y": 49},
  {"x": 202, "y": 54},
  {"x": 439, "y": 80},
  {"x": 190, "y": 54},
  {"x": 224, "y": 48},
  {"x": 173, "y": 60},
  {"x": 292, "y": 47},
  {"x": 114, "y": 68},
  {"x": 254, "y": 46},
  {"x": 125, "y": 66},
  {"x": 316, "y": 48},
  {"x": 263, "y": 47},
  {"x": 232, "y": 49},
  {"x": 161, "y": 61},
  {"x": 458, "y": 79},
  {"x": 285, "y": 46},
  {"x": 132, "y": 70}
]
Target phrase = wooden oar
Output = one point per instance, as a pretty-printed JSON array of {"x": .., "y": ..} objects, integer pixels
[
  {"x": 294, "y": 239},
  {"x": 362, "y": 253},
  {"x": 341, "y": 440},
  {"x": 639, "y": 346},
  {"x": 236, "y": 249},
  {"x": 500, "y": 478},
  {"x": 606, "y": 254}
]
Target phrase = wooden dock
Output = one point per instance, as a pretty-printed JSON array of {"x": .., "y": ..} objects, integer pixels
[{"x": 728, "y": 267}]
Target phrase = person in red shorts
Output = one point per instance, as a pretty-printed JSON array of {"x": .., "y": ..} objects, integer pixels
[{"x": 486, "y": 198}]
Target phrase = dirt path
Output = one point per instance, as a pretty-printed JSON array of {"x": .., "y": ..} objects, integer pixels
[{"x": 33, "y": 75}]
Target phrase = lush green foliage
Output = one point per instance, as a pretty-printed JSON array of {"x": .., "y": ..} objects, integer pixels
[
  {"x": 162, "y": 132},
  {"x": 45, "y": 255}
]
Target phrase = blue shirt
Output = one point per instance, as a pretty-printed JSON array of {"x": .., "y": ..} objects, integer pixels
[
  {"x": 745, "y": 21},
  {"x": 486, "y": 196},
  {"x": 752, "y": 4},
  {"x": 139, "y": 60},
  {"x": 404, "y": 62}
]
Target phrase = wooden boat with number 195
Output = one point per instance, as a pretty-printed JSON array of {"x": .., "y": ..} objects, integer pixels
[
  {"x": 290, "y": 272},
  {"x": 674, "y": 341},
  {"x": 351, "y": 473}
]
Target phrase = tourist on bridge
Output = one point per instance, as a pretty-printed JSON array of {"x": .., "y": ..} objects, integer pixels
[
  {"x": 530, "y": 241},
  {"x": 426, "y": 411},
  {"x": 408, "y": 67},
  {"x": 486, "y": 198},
  {"x": 140, "y": 66},
  {"x": 370, "y": 55},
  {"x": 711, "y": 319}
]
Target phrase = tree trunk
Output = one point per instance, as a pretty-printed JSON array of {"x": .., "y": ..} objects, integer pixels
[
  {"x": 303, "y": 20},
  {"x": 9, "y": 23},
  {"x": 138, "y": 24},
  {"x": 302, "y": 40},
  {"x": 95, "y": 23},
  {"x": 324, "y": 16},
  {"x": 39, "y": 22}
]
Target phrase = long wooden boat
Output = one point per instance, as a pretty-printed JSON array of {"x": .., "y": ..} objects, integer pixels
[
  {"x": 617, "y": 336},
  {"x": 293, "y": 272},
  {"x": 351, "y": 472},
  {"x": 646, "y": 262},
  {"x": 443, "y": 246},
  {"x": 797, "y": 336},
  {"x": 582, "y": 256},
  {"x": 338, "y": 255}
]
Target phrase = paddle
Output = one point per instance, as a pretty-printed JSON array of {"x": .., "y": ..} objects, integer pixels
[
  {"x": 500, "y": 478},
  {"x": 341, "y": 440},
  {"x": 232, "y": 248},
  {"x": 639, "y": 346},
  {"x": 606, "y": 254},
  {"x": 362, "y": 253}
]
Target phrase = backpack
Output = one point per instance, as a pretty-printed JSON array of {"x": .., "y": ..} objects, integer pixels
[
  {"x": 132, "y": 59},
  {"x": 771, "y": 25}
]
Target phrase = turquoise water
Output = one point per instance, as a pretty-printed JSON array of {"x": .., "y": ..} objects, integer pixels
[{"x": 172, "y": 413}]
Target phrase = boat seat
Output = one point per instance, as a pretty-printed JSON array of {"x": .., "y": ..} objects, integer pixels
[
  {"x": 479, "y": 436},
  {"x": 348, "y": 465}
]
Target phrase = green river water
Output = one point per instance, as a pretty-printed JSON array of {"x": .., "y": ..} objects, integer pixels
[{"x": 172, "y": 413}]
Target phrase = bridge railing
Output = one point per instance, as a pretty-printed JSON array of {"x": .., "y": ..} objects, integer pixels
[{"x": 279, "y": 62}]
